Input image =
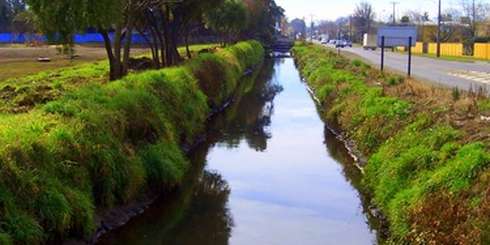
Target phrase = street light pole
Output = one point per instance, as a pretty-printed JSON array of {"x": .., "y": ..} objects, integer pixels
[{"x": 439, "y": 21}]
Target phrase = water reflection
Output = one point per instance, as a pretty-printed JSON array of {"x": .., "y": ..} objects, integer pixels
[
  {"x": 199, "y": 212},
  {"x": 249, "y": 117},
  {"x": 265, "y": 175},
  {"x": 353, "y": 175}
]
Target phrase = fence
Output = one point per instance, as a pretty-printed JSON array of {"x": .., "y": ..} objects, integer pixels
[
  {"x": 482, "y": 51},
  {"x": 78, "y": 38},
  {"x": 447, "y": 49},
  {"x": 20, "y": 38},
  {"x": 419, "y": 48}
]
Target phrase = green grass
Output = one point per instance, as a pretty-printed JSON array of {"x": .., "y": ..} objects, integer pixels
[
  {"x": 102, "y": 144},
  {"x": 368, "y": 107},
  {"x": 24, "y": 92},
  {"x": 411, "y": 155}
]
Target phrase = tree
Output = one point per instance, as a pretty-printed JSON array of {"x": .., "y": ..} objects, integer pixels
[
  {"x": 475, "y": 12},
  {"x": 330, "y": 28},
  {"x": 4, "y": 15},
  {"x": 344, "y": 27},
  {"x": 229, "y": 19},
  {"x": 405, "y": 19},
  {"x": 416, "y": 16},
  {"x": 362, "y": 19},
  {"x": 61, "y": 19},
  {"x": 299, "y": 27},
  {"x": 192, "y": 12},
  {"x": 264, "y": 18},
  {"x": 24, "y": 22},
  {"x": 8, "y": 10}
]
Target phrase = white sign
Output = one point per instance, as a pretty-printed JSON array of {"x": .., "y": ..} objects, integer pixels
[{"x": 397, "y": 35}]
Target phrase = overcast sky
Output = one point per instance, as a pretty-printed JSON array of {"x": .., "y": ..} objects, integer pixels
[{"x": 332, "y": 9}]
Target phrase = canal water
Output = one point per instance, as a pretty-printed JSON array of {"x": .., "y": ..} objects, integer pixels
[{"x": 269, "y": 173}]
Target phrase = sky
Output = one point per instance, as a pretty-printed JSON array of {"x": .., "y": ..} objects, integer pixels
[{"x": 332, "y": 9}]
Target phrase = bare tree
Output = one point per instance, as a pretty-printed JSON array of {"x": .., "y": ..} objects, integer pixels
[
  {"x": 416, "y": 16},
  {"x": 363, "y": 19},
  {"x": 475, "y": 12},
  {"x": 329, "y": 28}
]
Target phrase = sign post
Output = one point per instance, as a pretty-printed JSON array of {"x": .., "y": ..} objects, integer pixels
[
  {"x": 409, "y": 56},
  {"x": 395, "y": 36},
  {"x": 382, "y": 53}
]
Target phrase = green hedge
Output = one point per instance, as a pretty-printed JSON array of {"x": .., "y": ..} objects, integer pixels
[{"x": 103, "y": 144}]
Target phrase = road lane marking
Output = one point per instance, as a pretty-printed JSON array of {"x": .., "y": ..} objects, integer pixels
[{"x": 477, "y": 76}]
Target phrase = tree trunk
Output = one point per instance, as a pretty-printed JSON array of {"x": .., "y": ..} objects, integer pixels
[
  {"x": 127, "y": 50},
  {"x": 186, "y": 40},
  {"x": 118, "y": 72},
  {"x": 166, "y": 36},
  {"x": 110, "y": 54},
  {"x": 153, "y": 47}
]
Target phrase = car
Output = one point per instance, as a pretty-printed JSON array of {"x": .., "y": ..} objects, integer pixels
[
  {"x": 343, "y": 44},
  {"x": 340, "y": 44}
]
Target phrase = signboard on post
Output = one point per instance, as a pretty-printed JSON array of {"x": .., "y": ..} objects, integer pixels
[{"x": 396, "y": 36}]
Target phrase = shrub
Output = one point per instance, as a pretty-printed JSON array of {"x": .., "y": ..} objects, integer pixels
[
  {"x": 356, "y": 63},
  {"x": 456, "y": 94},
  {"x": 395, "y": 80}
]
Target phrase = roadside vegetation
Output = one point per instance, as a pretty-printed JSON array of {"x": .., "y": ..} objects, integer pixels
[
  {"x": 75, "y": 144},
  {"x": 427, "y": 148}
]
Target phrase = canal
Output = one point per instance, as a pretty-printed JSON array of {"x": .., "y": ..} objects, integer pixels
[{"x": 269, "y": 172}]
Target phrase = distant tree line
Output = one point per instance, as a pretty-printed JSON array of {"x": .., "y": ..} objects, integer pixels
[{"x": 468, "y": 21}]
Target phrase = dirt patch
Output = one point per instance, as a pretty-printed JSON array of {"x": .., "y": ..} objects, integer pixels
[{"x": 16, "y": 61}]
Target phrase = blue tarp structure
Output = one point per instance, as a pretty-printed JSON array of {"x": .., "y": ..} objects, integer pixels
[
  {"x": 85, "y": 38},
  {"x": 20, "y": 38}
]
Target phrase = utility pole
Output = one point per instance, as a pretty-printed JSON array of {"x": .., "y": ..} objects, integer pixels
[
  {"x": 474, "y": 19},
  {"x": 439, "y": 21},
  {"x": 394, "y": 12},
  {"x": 350, "y": 28},
  {"x": 473, "y": 31},
  {"x": 312, "y": 26}
]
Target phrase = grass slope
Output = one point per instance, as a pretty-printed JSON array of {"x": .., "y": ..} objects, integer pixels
[
  {"x": 427, "y": 148},
  {"x": 100, "y": 144}
]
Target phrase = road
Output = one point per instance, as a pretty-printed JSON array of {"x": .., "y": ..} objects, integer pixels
[{"x": 464, "y": 75}]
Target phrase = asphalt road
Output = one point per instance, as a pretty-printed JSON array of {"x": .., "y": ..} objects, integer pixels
[{"x": 463, "y": 75}]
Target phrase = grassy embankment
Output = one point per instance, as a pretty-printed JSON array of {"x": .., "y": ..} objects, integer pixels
[
  {"x": 74, "y": 144},
  {"x": 427, "y": 148}
]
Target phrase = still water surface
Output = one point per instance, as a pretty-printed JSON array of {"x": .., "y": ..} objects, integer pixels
[{"x": 269, "y": 173}]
